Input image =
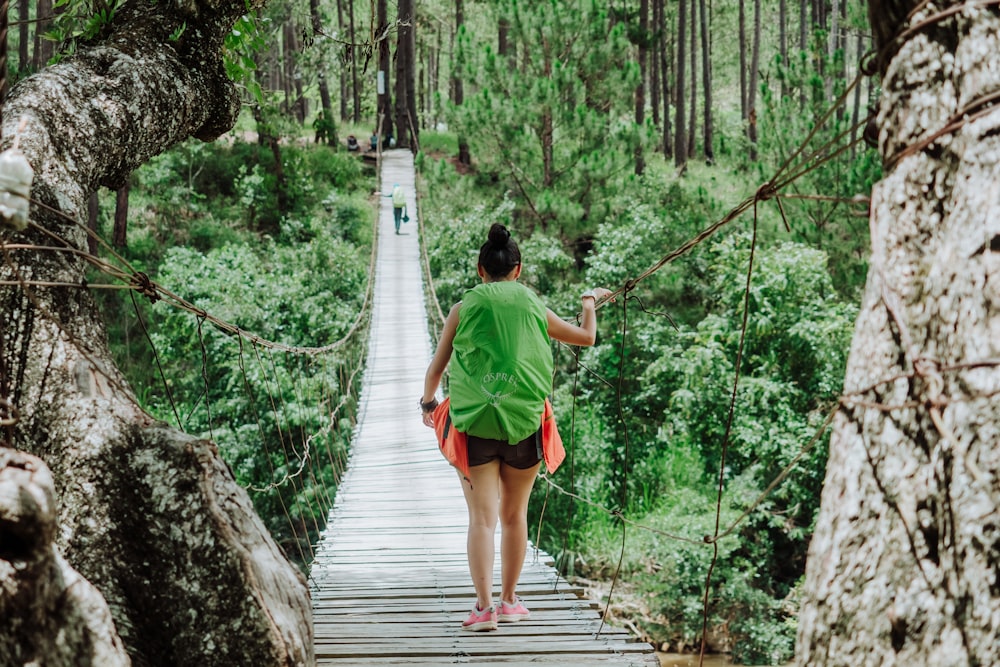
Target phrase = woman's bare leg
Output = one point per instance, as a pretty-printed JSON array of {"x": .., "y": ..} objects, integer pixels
[
  {"x": 515, "y": 489},
  {"x": 482, "y": 497}
]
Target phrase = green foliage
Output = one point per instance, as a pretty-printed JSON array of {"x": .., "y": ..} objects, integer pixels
[
  {"x": 762, "y": 630},
  {"x": 800, "y": 119},
  {"x": 556, "y": 126},
  {"x": 272, "y": 414},
  {"x": 453, "y": 249},
  {"x": 670, "y": 395},
  {"x": 246, "y": 39},
  {"x": 80, "y": 22},
  {"x": 445, "y": 143}
]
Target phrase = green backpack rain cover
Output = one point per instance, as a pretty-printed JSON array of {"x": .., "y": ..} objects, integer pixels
[{"x": 501, "y": 362}]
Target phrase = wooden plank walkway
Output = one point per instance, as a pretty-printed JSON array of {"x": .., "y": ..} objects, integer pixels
[{"x": 390, "y": 581}]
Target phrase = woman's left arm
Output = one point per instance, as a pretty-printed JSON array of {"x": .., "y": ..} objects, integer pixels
[{"x": 440, "y": 361}]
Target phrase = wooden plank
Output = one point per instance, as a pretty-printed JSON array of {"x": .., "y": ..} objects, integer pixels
[{"x": 390, "y": 582}]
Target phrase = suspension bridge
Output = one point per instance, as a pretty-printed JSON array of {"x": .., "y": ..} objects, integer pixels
[{"x": 390, "y": 581}]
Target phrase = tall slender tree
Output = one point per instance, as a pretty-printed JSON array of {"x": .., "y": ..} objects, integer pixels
[
  {"x": 382, "y": 45},
  {"x": 754, "y": 78},
  {"x": 43, "y": 47},
  {"x": 744, "y": 97},
  {"x": 344, "y": 71},
  {"x": 353, "y": 64},
  {"x": 655, "y": 43},
  {"x": 680, "y": 136},
  {"x": 666, "y": 62},
  {"x": 457, "y": 88},
  {"x": 640, "y": 89},
  {"x": 693, "y": 96},
  {"x": 783, "y": 41},
  {"x": 406, "y": 107},
  {"x": 803, "y": 43},
  {"x": 706, "y": 75},
  {"x": 24, "y": 22},
  {"x": 326, "y": 103}
]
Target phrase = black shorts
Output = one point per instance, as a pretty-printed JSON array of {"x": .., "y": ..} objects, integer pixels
[{"x": 523, "y": 455}]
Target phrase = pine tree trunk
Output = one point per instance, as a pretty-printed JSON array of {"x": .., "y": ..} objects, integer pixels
[
  {"x": 680, "y": 140},
  {"x": 666, "y": 60},
  {"x": 902, "y": 567},
  {"x": 342, "y": 74},
  {"x": 43, "y": 47},
  {"x": 384, "y": 97},
  {"x": 325, "y": 101},
  {"x": 693, "y": 96},
  {"x": 856, "y": 113},
  {"x": 411, "y": 79},
  {"x": 24, "y": 21},
  {"x": 151, "y": 517},
  {"x": 754, "y": 78},
  {"x": 404, "y": 25},
  {"x": 640, "y": 89},
  {"x": 744, "y": 97},
  {"x": 457, "y": 94},
  {"x": 803, "y": 46},
  {"x": 93, "y": 212},
  {"x": 406, "y": 104},
  {"x": 119, "y": 235},
  {"x": 783, "y": 42},
  {"x": 654, "y": 61},
  {"x": 355, "y": 87},
  {"x": 706, "y": 75}
]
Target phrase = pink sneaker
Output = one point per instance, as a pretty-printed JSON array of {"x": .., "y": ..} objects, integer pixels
[
  {"x": 481, "y": 619},
  {"x": 512, "y": 613}
]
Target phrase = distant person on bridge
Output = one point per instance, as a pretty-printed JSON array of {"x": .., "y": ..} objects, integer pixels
[
  {"x": 497, "y": 425},
  {"x": 398, "y": 205}
]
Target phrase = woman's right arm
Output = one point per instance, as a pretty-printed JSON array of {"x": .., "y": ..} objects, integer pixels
[{"x": 440, "y": 361}]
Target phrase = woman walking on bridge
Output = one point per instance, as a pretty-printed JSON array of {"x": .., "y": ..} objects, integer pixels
[{"x": 497, "y": 427}]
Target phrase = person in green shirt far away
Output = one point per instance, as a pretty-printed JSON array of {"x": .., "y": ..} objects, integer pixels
[
  {"x": 398, "y": 204},
  {"x": 496, "y": 344}
]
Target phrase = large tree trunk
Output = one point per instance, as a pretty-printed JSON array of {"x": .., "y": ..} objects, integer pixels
[
  {"x": 43, "y": 597},
  {"x": 406, "y": 115},
  {"x": 150, "y": 516},
  {"x": 903, "y": 566}
]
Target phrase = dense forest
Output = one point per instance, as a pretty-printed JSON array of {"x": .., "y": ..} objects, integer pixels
[
  {"x": 712, "y": 162},
  {"x": 606, "y": 137},
  {"x": 593, "y": 136}
]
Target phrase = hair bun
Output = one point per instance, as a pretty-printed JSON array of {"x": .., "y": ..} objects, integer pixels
[{"x": 499, "y": 235}]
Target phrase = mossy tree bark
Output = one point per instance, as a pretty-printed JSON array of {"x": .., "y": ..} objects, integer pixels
[
  {"x": 151, "y": 517},
  {"x": 904, "y": 566}
]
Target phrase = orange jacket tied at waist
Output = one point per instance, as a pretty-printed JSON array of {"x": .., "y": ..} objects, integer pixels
[{"x": 455, "y": 447}]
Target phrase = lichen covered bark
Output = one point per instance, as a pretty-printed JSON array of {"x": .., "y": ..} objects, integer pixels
[
  {"x": 904, "y": 565},
  {"x": 151, "y": 517},
  {"x": 51, "y": 615}
]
